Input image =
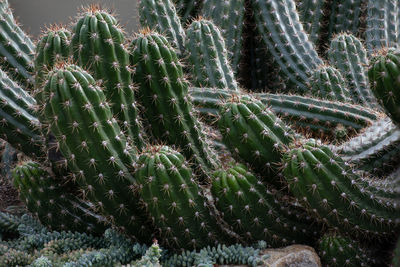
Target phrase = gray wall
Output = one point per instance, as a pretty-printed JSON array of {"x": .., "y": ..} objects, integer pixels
[{"x": 35, "y": 14}]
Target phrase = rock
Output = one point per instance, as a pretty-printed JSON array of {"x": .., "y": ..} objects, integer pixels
[{"x": 292, "y": 256}]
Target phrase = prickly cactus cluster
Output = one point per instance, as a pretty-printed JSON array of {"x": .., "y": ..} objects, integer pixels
[{"x": 219, "y": 128}]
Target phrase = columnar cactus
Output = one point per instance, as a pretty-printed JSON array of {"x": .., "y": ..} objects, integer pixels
[
  {"x": 383, "y": 20},
  {"x": 163, "y": 92},
  {"x": 228, "y": 16},
  {"x": 98, "y": 43},
  {"x": 51, "y": 202},
  {"x": 328, "y": 83},
  {"x": 53, "y": 47},
  {"x": 170, "y": 193},
  {"x": 208, "y": 56},
  {"x": 293, "y": 52},
  {"x": 252, "y": 209},
  {"x": 252, "y": 130},
  {"x": 16, "y": 48},
  {"x": 345, "y": 16},
  {"x": 311, "y": 15},
  {"x": 384, "y": 78},
  {"x": 94, "y": 145},
  {"x": 332, "y": 192},
  {"x": 19, "y": 126},
  {"x": 161, "y": 16},
  {"x": 336, "y": 250}
]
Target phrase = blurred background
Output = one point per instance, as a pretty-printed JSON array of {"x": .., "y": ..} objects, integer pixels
[{"x": 35, "y": 14}]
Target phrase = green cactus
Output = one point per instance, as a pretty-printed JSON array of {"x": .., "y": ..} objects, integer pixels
[
  {"x": 174, "y": 200},
  {"x": 163, "y": 93},
  {"x": 16, "y": 48},
  {"x": 253, "y": 211},
  {"x": 228, "y": 16},
  {"x": 375, "y": 150},
  {"x": 345, "y": 16},
  {"x": 161, "y": 16},
  {"x": 349, "y": 56},
  {"x": 316, "y": 115},
  {"x": 331, "y": 192},
  {"x": 281, "y": 30},
  {"x": 94, "y": 146},
  {"x": 311, "y": 15},
  {"x": 98, "y": 43},
  {"x": 328, "y": 83},
  {"x": 384, "y": 76},
  {"x": 396, "y": 255},
  {"x": 52, "y": 202},
  {"x": 251, "y": 130},
  {"x": 383, "y": 18},
  {"x": 53, "y": 46},
  {"x": 188, "y": 9},
  {"x": 336, "y": 250},
  {"x": 20, "y": 127},
  {"x": 208, "y": 56}
]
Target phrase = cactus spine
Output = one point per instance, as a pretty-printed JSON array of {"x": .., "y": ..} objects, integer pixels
[
  {"x": 311, "y": 14},
  {"x": 164, "y": 94},
  {"x": 208, "y": 56},
  {"x": 98, "y": 43}
]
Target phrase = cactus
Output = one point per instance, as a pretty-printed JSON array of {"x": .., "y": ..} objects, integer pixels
[
  {"x": 316, "y": 115},
  {"x": 383, "y": 73},
  {"x": 173, "y": 199},
  {"x": 332, "y": 192},
  {"x": 163, "y": 92},
  {"x": 161, "y": 16},
  {"x": 349, "y": 56},
  {"x": 252, "y": 209},
  {"x": 52, "y": 203},
  {"x": 383, "y": 20},
  {"x": 254, "y": 132},
  {"x": 375, "y": 150},
  {"x": 281, "y": 30},
  {"x": 328, "y": 83},
  {"x": 336, "y": 250},
  {"x": 98, "y": 43},
  {"x": 16, "y": 48},
  {"x": 208, "y": 56},
  {"x": 396, "y": 255},
  {"x": 345, "y": 16},
  {"x": 311, "y": 15},
  {"x": 20, "y": 127},
  {"x": 188, "y": 9},
  {"x": 94, "y": 145},
  {"x": 53, "y": 46},
  {"x": 228, "y": 16}
]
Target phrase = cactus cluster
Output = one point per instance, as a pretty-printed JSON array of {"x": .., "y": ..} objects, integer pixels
[{"x": 167, "y": 135}]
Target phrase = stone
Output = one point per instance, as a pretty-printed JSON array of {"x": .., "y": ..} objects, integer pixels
[{"x": 291, "y": 256}]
